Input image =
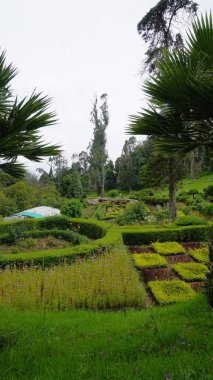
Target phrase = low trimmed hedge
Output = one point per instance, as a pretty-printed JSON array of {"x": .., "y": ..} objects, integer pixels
[
  {"x": 149, "y": 235},
  {"x": 149, "y": 260},
  {"x": 200, "y": 254},
  {"x": 171, "y": 291},
  {"x": 66, "y": 255},
  {"x": 71, "y": 236},
  {"x": 168, "y": 248},
  {"x": 191, "y": 271},
  {"x": 90, "y": 228}
]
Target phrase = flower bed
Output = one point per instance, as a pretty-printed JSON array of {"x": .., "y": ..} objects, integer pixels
[
  {"x": 201, "y": 255},
  {"x": 149, "y": 260},
  {"x": 171, "y": 291},
  {"x": 152, "y": 274},
  {"x": 168, "y": 248},
  {"x": 191, "y": 271}
]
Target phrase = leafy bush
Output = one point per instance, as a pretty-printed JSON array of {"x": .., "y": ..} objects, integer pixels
[
  {"x": 113, "y": 193},
  {"x": 134, "y": 213},
  {"x": 190, "y": 220},
  {"x": 191, "y": 271},
  {"x": 193, "y": 192},
  {"x": 200, "y": 254},
  {"x": 151, "y": 234},
  {"x": 205, "y": 208},
  {"x": 161, "y": 213},
  {"x": 171, "y": 291},
  {"x": 168, "y": 248},
  {"x": 208, "y": 193},
  {"x": 72, "y": 208},
  {"x": 149, "y": 260}
]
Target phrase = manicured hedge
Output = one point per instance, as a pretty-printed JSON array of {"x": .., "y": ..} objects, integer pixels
[
  {"x": 89, "y": 228},
  {"x": 148, "y": 235},
  {"x": 66, "y": 255}
]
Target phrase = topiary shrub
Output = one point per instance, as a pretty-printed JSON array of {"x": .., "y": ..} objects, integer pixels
[
  {"x": 191, "y": 271},
  {"x": 168, "y": 248},
  {"x": 171, "y": 291},
  {"x": 72, "y": 208},
  {"x": 200, "y": 254},
  {"x": 193, "y": 192},
  {"x": 149, "y": 260},
  {"x": 208, "y": 193},
  {"x": 189, "y": 220}
]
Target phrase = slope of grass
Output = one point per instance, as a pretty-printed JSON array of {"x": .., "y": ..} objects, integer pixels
[
  {"x": 110, "y": 346},
  {"x": 199, "y": 184}
]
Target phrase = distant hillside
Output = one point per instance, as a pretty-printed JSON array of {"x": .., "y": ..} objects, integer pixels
[{"x": 201, "y": 183}]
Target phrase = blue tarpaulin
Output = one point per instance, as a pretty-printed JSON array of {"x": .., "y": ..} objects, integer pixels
[{"x": 29, "y": 214}]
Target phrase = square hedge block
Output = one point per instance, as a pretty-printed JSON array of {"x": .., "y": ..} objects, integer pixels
[
  {"x": 168, "y": 248},
  {"x": 200, "y": 254},
  {"x": 191, "y": 271},
  {"x": 149, "y": 260},
  {"x": 170, "y": 291}
]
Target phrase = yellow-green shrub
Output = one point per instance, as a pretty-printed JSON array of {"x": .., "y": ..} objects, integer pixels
[
  {"x": 171, "y": 291},
  {"x": 149, "y": 260},
  {"x": 191, "y": 271},
  {"x": 168, "y": 248},
  {"x": 200, "y": 254}
]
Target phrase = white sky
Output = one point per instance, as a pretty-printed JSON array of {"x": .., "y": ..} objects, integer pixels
[{"x": 72, "y": 50}]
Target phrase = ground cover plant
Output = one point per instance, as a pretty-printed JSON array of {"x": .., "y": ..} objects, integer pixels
[
  {"x": 191, "y": 271},
  {"x": 115, "y": 345},
  {"x": 149, "y": 260},
  {"x": 168, "y": 248},
  {"x": 170, "y": 291},
  {"x": 105, "y": 282},
  {"x": 200, "y": 254}
]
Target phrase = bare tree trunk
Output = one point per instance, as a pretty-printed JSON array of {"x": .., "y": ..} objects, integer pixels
[
  {"x": 210, "y": 275},
  {"x": 172, "y": 189},
  {"x": 102, "y": 181},
  {"x": 192, "y": 166}
]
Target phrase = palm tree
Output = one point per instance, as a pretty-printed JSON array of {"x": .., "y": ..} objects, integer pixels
[
  {"x": 20, "y": 123},
  {"x": 180, "y": 116}
]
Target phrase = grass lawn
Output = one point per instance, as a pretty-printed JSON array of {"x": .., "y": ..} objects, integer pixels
[
  {"x": 128, "y": 345},
  {"x": 199, "y": 184}
]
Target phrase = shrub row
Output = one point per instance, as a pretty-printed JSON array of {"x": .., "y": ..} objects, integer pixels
[
  {"x": 149, "y": 235},
  {"x": 89, "y": 228},
  {"x": 66, "y": 255},
  {"x": 67, "y": 235}
]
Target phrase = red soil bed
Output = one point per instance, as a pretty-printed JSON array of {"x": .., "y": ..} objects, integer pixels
[
  {"x": 192, "y": 245},
  {"x": 179, "y": 259},
  {"x": 152, "y": 274},
  {"x": 141, "y": 250},
  {"x": 197, "y": 286}
]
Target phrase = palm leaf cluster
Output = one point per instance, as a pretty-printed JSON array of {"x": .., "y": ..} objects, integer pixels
[
  {"x": 180, "y": 96},
  {"x": 20, "y": 124}
]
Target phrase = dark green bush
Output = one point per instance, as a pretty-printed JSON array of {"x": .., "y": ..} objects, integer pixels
[
  {"x": 113, "y": 193},
  {"x": 189, "y": 220},
  {"x": 72, "y": 208},
  {"x": 208, "y": 193},
  {"x": 134, "y": 213},
  {"x": 149, "y": 235}
]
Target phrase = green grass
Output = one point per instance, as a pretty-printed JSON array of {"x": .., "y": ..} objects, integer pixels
[
  {"x": 191, "y": 271},
  {"x": 199, "y": 184},
  {"x": 146, "y": 345}
]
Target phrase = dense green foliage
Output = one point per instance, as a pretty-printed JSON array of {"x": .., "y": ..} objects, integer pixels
[
  {"x": 190, "y": 220},
  {"x": 134, "y": 213},
  {"x": 200, "y": 254},
  {"x": 72, "y": 208}
]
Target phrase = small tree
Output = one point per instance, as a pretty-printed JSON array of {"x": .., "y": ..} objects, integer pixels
[{"x": 72, "y": 208}]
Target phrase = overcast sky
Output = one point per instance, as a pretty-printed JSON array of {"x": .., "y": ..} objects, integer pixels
[{"x": 73, "y": 50}]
